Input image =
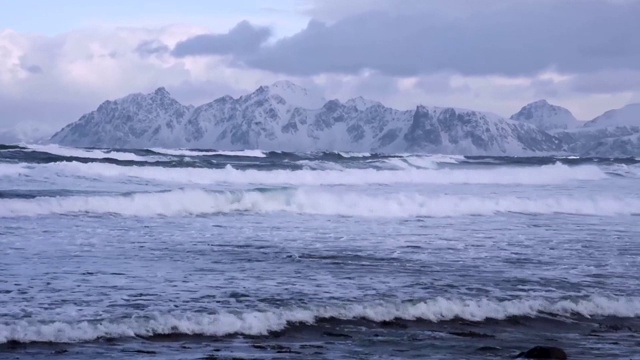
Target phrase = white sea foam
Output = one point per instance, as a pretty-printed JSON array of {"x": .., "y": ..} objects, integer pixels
[
  {"x": 248, "y": 153},
  {"x": 419, "y": 161},
  {"x": 445, "y": 159},
  {"x": 184, "y": 152},
  {"x": 354, "y": 154},
  {"x": 263, "y": 322},
  {"x": 548, "y": 174},
  {"x": 320, "y": 165},
  {"x": 87, "y": 153},
  {"x": 624, "y": 170},
  {"x": 311, "y": 201},
  {"x": 12, "y": 169},
  {"x": 396, "y": 164}
]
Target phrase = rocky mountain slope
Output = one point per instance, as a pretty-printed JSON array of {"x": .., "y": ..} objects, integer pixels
[
  {"x": 136, "y": 120},
  {"x": 284, "y": 116},
  {"x": 616, "y": 133},
  {"x": 546, "y": 116}
]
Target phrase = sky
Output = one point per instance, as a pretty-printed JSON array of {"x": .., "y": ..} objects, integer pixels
[{"x": 60, "y": 59}]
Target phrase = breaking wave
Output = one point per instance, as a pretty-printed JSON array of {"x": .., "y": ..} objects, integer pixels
[
  {"x": 88, "y": 153},
  {"x": 12, "y": 169},
  {"x": 320, "y": 165},
  {"x": 183, "y": 152},
  {"x": 623, "y": 170},
  {"x": 354, "y": 154},
  {"x": 265, "y": 322},
  {"x": 417, "y": 161},
  {"x": 309, "y": 201},
  {"x": 540, "y": 175}
]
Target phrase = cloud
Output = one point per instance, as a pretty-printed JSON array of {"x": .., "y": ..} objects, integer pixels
[
  {"x": 512, "y": 38},
  {"x": 606, "y": 82},
  {"x": 52, "y": 80},
  {"x": 152, "y": 47},
  {"x": 49, "y": 81},
  {"x": 243, "y": 39},
  {"x": 28, "y": 118},
  {"x": 31, "y": 68}
]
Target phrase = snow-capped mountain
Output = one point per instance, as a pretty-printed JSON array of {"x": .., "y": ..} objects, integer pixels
[
  {"x": 284, "y": 116},
  {"x": 467, "y": 132},
  {"x": 628, "y": 116},
  {"x": 295, "y": 95},
  {"x": 614, "y": 133},
  {"x": 136, "y": 120},
  {"x": 546, "y": 116}
]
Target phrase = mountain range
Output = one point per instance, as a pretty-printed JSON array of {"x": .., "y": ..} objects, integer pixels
[{"x": 286, "y": 117}]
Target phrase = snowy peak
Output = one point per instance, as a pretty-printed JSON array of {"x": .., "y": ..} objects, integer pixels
[
  {"x": 616, "y": 133},
  {"x": 626, "y": 116},
  {"x": 293, "y": 94},
  {"x": 286, "y": 85},
  {"x": 162, "y": 92},
  {"x": 540, "y": 103},
  {"x": 361, "y": 103},
  {"x": 459, "y": 131},
  {"x": 286, "y": 117},
  {"x": 130, "y": 121},
  {"x": 158, "y": 96},
  {"x": 546, "y": 116}
]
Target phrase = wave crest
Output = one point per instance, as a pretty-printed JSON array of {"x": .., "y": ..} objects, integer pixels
[
  {"x": 542, "y": 175},
  {"x": 315, "y": 202},
  {"x": 88, "y": 153},
  {"x": 185, "y": 152},
  {"x": 264, "y": 322}
]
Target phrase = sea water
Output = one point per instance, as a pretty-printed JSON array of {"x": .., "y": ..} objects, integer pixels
[{"x": 187, "y": 254}]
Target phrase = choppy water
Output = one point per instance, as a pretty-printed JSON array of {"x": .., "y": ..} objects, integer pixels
[{"x": 183, "y": 254}]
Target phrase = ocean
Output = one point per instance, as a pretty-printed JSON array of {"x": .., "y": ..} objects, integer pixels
[{"x": 188, "y": 254}]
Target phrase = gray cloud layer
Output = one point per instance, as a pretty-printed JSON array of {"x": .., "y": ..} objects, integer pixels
[
  {"x": 511, "y": 38},
  {"x": 243, "y": 39},
  {"x": 151, "y": 47}
]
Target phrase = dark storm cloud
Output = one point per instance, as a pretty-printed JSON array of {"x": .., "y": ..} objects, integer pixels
[
  {"x": 33, "y": 69},
  {"x": 510, "y": 38},
  {"x": 30, "y": 68},
  {"x": 243, "y": 39},
  {"x": 151, "y": 47}
]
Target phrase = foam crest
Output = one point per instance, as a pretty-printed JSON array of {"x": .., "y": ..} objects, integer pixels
[
  {"x": 12, "y": 169},
  {"x": 320, "y": 165},
  {"x": 184, "y": 152},
  {"x": 624, "y": 170},
  {"x": 408, "y": 162},
  {"x": 315, "y": 202},
  {"x": 264, "y": 322},
  {"x": 445, "y": 159},
  {"x": 548, "y": 174},
  {"x": 87, "y": 153},
  {"x": 354, "y": 154}
]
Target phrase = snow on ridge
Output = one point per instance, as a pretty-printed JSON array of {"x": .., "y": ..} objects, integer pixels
[
  {"x": 296, "y": 95},
  {"x": 287, "y": 117},
  {"x": 628, "y": 115},
  {"x": 284, "y": 116},
  {"x": 546, "y": 116},
  {"x": 361, "y": 103}
]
